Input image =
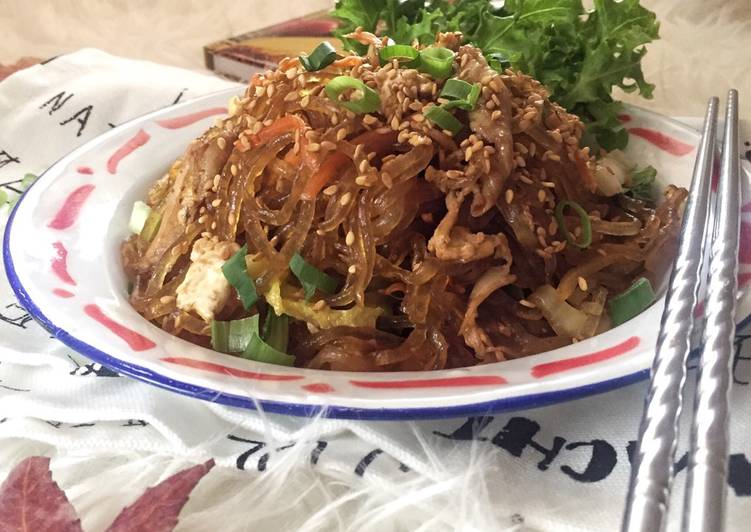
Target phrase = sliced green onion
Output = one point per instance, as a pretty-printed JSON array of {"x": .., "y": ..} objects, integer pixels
[
  {"x": 436, "y": 61},
  {"x": 236, "y": 272},
  {"x": 260, "y": 351},
  {"x": 323, "y": 55},
  {"x": 151, "y": 226},
  {"x": 311, "y": 277},
  {"x": 138, "y": 217},
  {"x": 498, "y": 61},
  {"x": 220, "y": 336},
  {"x": 3, "y": 197},
  {"x": 233, "y": 336},
  {"x": 586, "y": 225},
  {"x": 461, "y": 94},
  {"x": 367, "y": 102},
  {"x": 276, "y": 330},
  {"x": 401, "y": 52},
  {"x": 443, "y": 119},
  {"x": 633, "y": 301}
]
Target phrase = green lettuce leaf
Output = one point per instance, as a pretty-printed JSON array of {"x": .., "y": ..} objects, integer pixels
[{"x": 580, "y": 55}]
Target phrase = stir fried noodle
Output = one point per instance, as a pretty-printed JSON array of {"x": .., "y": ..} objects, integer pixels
[{"x": 444, "y": 243}]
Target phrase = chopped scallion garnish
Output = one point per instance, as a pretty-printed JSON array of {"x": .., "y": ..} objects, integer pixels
[
  {"x": 460, "y": 94},
  {"x": 498, "y": 61},
  {"x": 436, "y": 61},
  {"x": 151, "y": 226},
  {"x": 311, "y": 277},
  {"x": 443, "y": 119},
  {"x": 401, "y": 52},
  {"x": 276, "y": 330},
  {"x": 586, "y": 225},
  {"x": 633, "y": 301},
  {"x": 363, "y": 99},
  {"x": 236, "y": 272},
  {"x": 233, "y": 336},
  {"x": 138, "y": 217},
  {"x": 260, "y": 351},
  {"x": 323, "y": 55}
]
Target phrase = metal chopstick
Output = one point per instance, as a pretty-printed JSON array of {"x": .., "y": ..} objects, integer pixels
[
  {"x": 704, "y": 505},
  {"x": 652, "y": 473}
]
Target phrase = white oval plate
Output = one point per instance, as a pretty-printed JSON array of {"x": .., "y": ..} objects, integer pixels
[{"x": 61, "y": 253}]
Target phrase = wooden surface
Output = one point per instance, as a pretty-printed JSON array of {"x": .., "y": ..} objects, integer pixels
[{"x": 705, "y": 46}]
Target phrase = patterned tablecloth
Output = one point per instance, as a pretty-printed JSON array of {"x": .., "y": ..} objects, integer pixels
[{"x": 563, "y": 467}]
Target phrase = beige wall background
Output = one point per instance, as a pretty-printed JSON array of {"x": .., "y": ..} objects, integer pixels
[{"x": 704, "y": 50}]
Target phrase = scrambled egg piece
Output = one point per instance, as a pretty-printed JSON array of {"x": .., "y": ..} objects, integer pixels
[{"x": 205, "y": 290}]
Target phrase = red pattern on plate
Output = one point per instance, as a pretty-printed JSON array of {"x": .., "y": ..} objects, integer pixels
[
  {"x": 59, "y": 292},
  {"x": 445, "y": 382},
  {"x": 318, "y": 387},
  {"x": 84, "y": 170},
  {"x": 136, "y": 341},
  {"x": 624, "y": 118},
  {"x": 60, "y": 264},
  {"x": 744, "y": 250},
  {"x": 226, "y": 370},
  {"x": 68, "y": 213},
  {"x": 662, "y": 141},
  {"x": 548, "y": 368},
  {"x": 743, "y": 279},
  {"x": 746, "y": 207},
  {"x": 186, "y": 120},
  {"x": 138, "y": 140}
]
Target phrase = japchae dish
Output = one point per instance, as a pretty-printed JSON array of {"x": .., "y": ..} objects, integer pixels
[{"x": 414, "y": 208}]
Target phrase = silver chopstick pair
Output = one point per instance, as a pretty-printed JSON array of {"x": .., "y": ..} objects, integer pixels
[{"x": 652, "y": 474}]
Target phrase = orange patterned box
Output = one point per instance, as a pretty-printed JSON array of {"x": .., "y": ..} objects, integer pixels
[{"x": 239, "y": 57}]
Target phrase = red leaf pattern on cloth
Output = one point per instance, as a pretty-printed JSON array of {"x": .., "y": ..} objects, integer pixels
[
  {"x": 158, "y": 508},
  {"x": 30, "y": 501}
]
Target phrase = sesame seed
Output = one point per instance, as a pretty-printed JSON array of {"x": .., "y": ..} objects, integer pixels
[
  {"x": 554, "y": 157},
  {"x": 350, "y": 239},
  {"x": 363, "y": 167},
  {"x": 509, "y": 195},
  {"x": 260, "y": 90},
  {"x": 541, "y": 195},
  {"x": 528, "y": 304},
  {"x": 270, "y": 90},
  {"x": 361, "y": 180},
  {"x": 330, "y": 190},
  {"x": 553, "y": 228},
  {"x": 341, "y": 134},
  {"x": 369, "y": 119},
  {"x": 268, "y": 122},
  {"x": 202, "y": 219},
  {"x": 291, "y": 73},
  {"x": 395, "y": 123},
  {"x": 548, "y": 184},
  {"x": 217, "y": 178},
  {"x": 352, "y": 269},
  {"x": 468, "y": 153},
  {"x": 221, "y": 142},
  {"x": 233, "y": 169},
  {"x": 526, "y": 180},
  {"x": 318, "y": 305},
  {"x": 345, "y": 199},
  {"x": 213, "y": 225},
  {"x": 290, "y": 96},
  {"x": 334, "y": 119},
  {"x": 582, "y": 284},
  {"x": 216, "y": 202},
  {"x": 314, "y": 146},
  {"x": 418, "y": 117},
  {"x": 305, "y": 101},
  {"x": 328, "y": 145},
  {"x": 166, "y": 299},
  {"x": 319, "y": 232}
]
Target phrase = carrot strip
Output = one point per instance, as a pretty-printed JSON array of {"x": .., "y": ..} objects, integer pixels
[
  {"x": 380, "y": 143},
  {"x": 280, "y": 126}
]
